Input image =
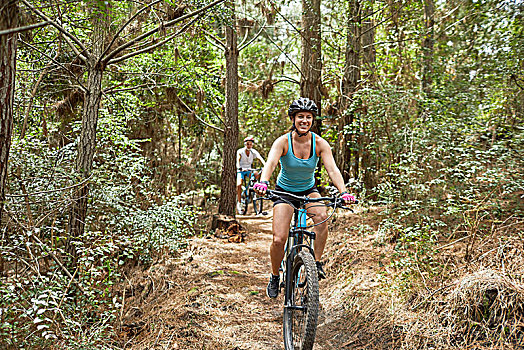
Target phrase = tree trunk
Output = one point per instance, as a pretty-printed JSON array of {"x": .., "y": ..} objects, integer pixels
[
  {"x": 369, "y": 169},
  {"x": 427, "y": 46},
  {"x": 87, "y": 143},
  {"x": 226, "y": 205},
  {"x": 311, "y": 80},
  {"x": 86, "y": 150},
  {"x": 311, "y": 64},
  {"x": 179, "y": 153},
  {"x": 8, "y": 19},
  {"x": 350, "y": 82},
  {"x": 368, "y": 41},
  {"x": 368, "y": 62}
]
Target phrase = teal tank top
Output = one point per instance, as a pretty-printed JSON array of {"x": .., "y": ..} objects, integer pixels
[{"x": 297, "y": 174}]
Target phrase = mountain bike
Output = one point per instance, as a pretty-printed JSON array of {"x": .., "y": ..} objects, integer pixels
[
  {"x": 299, "y": 272},
  {"x": 248, "y": 195}
]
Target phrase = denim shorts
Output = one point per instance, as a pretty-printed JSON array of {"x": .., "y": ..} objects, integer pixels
[{"x": 291, "y": 200}]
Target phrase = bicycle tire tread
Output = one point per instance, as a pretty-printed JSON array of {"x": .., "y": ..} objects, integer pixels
[{"x": 306, "y": 259}]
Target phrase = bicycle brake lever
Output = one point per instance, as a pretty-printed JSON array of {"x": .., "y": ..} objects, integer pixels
[{"x": 339, "y": 204}]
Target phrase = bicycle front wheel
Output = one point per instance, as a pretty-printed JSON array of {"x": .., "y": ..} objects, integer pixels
[
  {"x": 243, "y": 204},
  {"x": 301, "y": 313}
]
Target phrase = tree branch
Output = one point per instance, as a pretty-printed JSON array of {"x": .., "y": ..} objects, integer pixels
[
  {"x": 126, "y": 24},
  {"x": 244, "y": 38},
  {"x": 287, "y": 20},
  {"x": 154, "y": 46},
  {"x": 62, "y": 30},
  {"x": 59, "y": 263},
  {"x": 216, "y": 40},
  {"x": 285, "y": 54},
  {"x": 35, "y": 89},
  {"x": 130, "y": 43},
  {"x": 196, "y": 116},
  {"x": 32, "y": 235},
  {"x": 389, "y": 42},
  {"x": 114, "y": 89},
  {"x": 516, "y": 80},
  {"x": 50, "y": 191},
  {"x": 82, "y": 87},
  {"x": 291, "y": 80},
  {"x": 216, "y": 113},
  {"x": 23, "y": 29},
  {"x": 379, "y": 23},
  {"x": 243, "y": 46}
]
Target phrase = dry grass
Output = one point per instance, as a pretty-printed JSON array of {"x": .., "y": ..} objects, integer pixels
[
  {"x": 480, "y": 304},
  {"x": 481, "y": 310},
  {"x": 475, "y": 303},
  {"x": 210, "y": 297}
]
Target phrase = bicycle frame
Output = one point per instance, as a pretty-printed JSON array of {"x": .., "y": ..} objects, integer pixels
[
  {"x": 248, "y": 181},
  {"x": 248, "y": 194}
]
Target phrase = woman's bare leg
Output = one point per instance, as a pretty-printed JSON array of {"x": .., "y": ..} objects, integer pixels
[
  {"x": 318, "y": 214},
  {"x": 282, "y": 214}
]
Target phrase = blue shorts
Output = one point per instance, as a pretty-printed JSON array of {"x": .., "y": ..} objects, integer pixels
[{"x": 241, "y": 175}]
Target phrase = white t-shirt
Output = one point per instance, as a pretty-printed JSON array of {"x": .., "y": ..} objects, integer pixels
[{"x": 244, "y": 161}]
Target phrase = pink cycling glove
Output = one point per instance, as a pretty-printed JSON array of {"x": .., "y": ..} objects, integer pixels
[
  {"x": 348, "y": 198},
  {"x": 260, "y": 186}
]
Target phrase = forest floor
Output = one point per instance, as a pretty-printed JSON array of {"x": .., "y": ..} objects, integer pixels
[{"x": 213, "y": 295}]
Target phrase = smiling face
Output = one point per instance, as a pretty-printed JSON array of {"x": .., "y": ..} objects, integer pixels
[
  {"x": 303, "y": 121},
  {"x": 249, "y": 144}
]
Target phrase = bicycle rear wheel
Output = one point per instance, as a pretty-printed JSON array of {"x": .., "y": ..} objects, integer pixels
[{"x": 301, "y": 313}]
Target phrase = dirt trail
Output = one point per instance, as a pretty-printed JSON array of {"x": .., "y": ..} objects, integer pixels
[{"x": 213, "y": 296}]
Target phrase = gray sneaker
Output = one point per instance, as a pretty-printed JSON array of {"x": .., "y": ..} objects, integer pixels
[
  {"x": 273, "y": 287},
  {"x": 320, "y": 270}
]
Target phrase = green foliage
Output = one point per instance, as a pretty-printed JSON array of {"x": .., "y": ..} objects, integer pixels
[
  {"x": 44, "y": 303},
  {"x": 157, "y": 228},
  {"x": 448, "y": 178},
  {"x": 444, "y": 164},
  {"x": 129, "y": 222}
]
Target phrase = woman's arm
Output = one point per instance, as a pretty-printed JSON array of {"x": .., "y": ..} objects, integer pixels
[{"x": 277, "y": 149}]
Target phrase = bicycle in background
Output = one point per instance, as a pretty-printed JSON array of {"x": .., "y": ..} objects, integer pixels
[{"x": 248, "y": 195}]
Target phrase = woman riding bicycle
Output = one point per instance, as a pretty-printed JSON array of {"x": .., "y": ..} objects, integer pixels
[{"x": 298, "y": 152}]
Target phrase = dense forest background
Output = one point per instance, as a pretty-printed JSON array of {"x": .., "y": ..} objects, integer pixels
[{"x": 119, "y": 122}]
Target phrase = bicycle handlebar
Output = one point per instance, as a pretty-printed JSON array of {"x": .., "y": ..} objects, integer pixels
[
  {"x": 336, "y": 201},
  {"x": 249, "y": 169},
  {"x": 278, "y": 194}
]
